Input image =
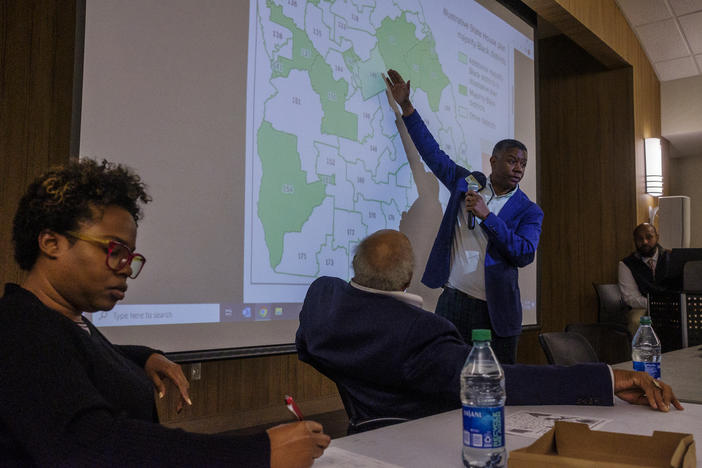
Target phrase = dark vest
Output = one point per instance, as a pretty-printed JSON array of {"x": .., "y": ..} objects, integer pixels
[{"x": 642, "y": 273}]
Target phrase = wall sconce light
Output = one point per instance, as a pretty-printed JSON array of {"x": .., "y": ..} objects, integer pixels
[{"x": 654, "y": 167}]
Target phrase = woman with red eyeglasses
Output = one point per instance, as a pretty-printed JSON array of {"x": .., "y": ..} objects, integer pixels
[{"x": 69, "y": 396}]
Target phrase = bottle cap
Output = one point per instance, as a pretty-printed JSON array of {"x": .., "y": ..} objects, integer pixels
[
  {"x": 645, "y": 320},
  {"x": 481, "y": 335}
]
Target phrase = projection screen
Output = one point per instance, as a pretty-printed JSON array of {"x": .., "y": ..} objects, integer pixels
[{"x": 270, "y": 147}]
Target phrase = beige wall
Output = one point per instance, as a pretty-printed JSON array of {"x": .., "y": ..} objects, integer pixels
[
  {"x": 685, "y": 178},
  {"x": 681, "y": 121},
  {"x": 681, "y": 107}
]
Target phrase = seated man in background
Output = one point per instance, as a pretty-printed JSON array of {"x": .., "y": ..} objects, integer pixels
[
  {"x": 69, "y": 396},
  {"x": 641, "y": 273},
  {"x": 394, "y": 359}
]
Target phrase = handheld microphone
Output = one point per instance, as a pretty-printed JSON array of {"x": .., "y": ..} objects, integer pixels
[{"x": 474, "y": 185}]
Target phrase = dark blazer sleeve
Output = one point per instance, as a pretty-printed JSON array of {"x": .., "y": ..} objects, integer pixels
[
  {"x": 436, "y": 355},
  {"x": 582, "y": 384}
]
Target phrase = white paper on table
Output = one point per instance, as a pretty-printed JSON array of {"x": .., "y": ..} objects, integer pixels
[
  {"x": 536, "y": 423},
  {"x": 340, "y": 458}
]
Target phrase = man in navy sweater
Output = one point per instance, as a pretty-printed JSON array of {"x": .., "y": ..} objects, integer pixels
[
  {"x": 391, "y": 358},
  {"x": 478, "y": 265}
]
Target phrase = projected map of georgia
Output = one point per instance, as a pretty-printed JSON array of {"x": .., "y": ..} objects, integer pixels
[{"x": 325, "y": 164}]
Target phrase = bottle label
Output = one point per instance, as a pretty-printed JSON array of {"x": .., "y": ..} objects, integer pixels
[
  {"x": 483, "y": 427},
  {"x": 652, "y": 368}
]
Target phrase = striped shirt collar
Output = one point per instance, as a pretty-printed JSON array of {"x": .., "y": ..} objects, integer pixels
[{"x": 83, "y": 325}]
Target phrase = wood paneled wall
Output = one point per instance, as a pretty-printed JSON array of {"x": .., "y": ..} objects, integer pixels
[
  {"x": 599, "y": 27},
  {"x": 587, "y": 178},
  {"x": 597, "y": 157},
  {"x": 37, "y": 48},
  {"x": 239, "y": 393}
]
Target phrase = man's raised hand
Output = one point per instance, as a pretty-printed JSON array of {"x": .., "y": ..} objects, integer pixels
[{"x": 400, "y": 91}]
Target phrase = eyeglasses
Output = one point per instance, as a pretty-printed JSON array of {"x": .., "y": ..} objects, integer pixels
[{"x": 118, "y": 254}]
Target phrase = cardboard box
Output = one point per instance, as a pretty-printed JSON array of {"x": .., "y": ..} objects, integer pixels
[{"x": 575, "y": 445}]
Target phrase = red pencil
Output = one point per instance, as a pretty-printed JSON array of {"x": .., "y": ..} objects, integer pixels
[{"x": 292, "y": 406}]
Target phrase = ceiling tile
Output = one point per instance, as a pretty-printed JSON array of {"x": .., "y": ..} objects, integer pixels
[
  {"x": 662, "y": 40},
  {"x": 692, "y": 29},
  {"x": 675, "y": 69},
  {"x": 683, "y": 7},
  {"x": 640, "y": 12}
]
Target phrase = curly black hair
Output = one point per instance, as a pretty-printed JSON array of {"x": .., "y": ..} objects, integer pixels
[{"x": 65, "y": 196}]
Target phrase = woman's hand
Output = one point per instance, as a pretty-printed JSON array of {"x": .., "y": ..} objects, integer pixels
[
  {"x": 158, "y": 367},
  {"x": 296, "y": 445}
]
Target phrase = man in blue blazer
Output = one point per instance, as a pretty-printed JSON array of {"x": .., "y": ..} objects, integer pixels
[
  {"x": 487, "y": 233},
  {"x": 391, "y": 358}
]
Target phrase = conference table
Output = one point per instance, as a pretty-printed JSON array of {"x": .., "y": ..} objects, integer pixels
[
  {"x": 682, "y": 370},
  {"x": 435, "y": 441}
]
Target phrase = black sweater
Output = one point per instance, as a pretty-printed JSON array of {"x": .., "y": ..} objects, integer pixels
[{"x": 69, "y": 398}]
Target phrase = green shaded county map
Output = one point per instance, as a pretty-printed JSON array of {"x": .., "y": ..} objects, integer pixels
[{"x": 325, "y": 162}]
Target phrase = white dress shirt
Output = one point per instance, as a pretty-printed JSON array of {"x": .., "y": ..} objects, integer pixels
[
  {"x": 468, "y": 246},
  {"x": 402, "y": 296}
]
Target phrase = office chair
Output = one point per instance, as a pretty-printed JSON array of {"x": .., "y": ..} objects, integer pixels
[
  {"x": 358, "y": 424},
  {"x": 611, "y": 341},
  {"x": 567, "y": 348},
  {"x": 692, "y": 276},
  {"x": 611, "y": 306},
  {"x": 692, "y": 285}
]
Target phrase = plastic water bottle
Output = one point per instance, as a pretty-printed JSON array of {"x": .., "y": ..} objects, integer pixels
[
  {"x": 646, "y": 349},
  {"x": 483, "y": 398}
]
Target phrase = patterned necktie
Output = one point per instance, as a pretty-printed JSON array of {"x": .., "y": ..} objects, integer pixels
[{"x": 652, "y": 266}]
